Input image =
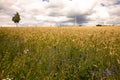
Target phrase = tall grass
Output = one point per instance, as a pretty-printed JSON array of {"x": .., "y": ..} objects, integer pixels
[{"x": 75, "y": 53}]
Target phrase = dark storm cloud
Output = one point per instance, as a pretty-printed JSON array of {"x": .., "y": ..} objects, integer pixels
[
  {"x": 80, "y": 18},
  {"x": 67, "y": 21},
  {"x": 102, "y": 4},
  {"x": 117, "y": 3}
]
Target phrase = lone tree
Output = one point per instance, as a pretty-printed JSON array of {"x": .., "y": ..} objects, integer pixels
[{"x": 16, "y": 18}]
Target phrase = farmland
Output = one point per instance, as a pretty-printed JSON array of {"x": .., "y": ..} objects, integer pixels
[{"x": 60, "y": 53}]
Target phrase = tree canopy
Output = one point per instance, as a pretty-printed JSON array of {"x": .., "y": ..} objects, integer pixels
[{"x": 16, "y": 18}]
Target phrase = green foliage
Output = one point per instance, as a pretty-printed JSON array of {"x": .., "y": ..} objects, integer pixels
[
  {"x": 16, "y": 18},
  {"x": 60, "y": 53},
  {"x": 98, "y": 25}
]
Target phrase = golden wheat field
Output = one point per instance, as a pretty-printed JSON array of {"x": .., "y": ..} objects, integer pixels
[{"x": 60, "y": 53}]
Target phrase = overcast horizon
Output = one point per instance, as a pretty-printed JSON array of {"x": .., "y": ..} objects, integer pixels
[{"x": 64, "y": 12}]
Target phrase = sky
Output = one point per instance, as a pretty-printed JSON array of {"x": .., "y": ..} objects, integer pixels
[{"x": 60, "y": 12}]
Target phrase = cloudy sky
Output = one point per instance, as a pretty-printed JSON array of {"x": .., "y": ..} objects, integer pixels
[{"x": 64, "y": 12}]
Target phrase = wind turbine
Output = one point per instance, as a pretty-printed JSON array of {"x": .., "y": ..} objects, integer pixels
[{"x": 75, "y": 20}]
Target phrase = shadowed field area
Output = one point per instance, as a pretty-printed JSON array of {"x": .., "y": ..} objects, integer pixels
[{"x": 60, "y": 53}]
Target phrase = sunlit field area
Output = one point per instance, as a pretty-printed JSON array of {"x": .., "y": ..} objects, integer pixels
[{"x": 60, "y": 53}]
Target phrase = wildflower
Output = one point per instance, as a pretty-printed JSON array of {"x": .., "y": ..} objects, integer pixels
[
  {"x": 26, "y": 51},
  {"x": 105, "y": 71},
  {"x": 108, "y": 71},
  {"x": 113, "y": 69},
  {"x": 8, "y": 79}
]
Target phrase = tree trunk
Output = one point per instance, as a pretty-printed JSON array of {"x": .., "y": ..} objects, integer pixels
[{"x": 16, "y": 24}]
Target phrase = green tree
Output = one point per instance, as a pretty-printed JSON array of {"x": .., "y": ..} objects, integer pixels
[{"x": 16, "y": 18}]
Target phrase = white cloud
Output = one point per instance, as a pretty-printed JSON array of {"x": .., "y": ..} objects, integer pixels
[{"x": 36, "y": 12}]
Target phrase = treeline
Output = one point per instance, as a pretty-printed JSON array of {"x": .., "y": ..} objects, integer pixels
[{"x": 100, "y": 25}]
